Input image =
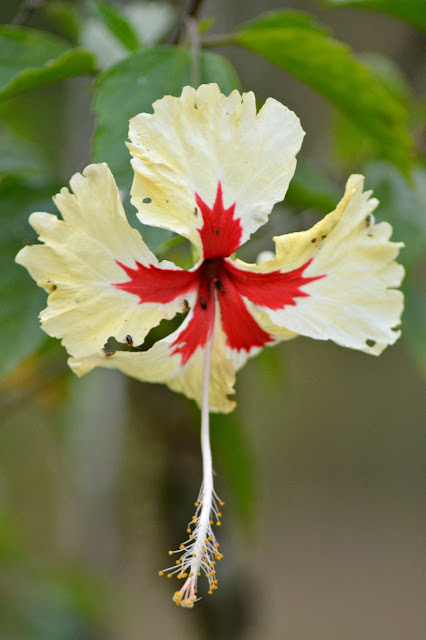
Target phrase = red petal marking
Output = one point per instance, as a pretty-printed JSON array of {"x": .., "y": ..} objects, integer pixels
[
  {"x": 241, "y": 329},
  {"x": 221, "y": 232},
  {"x": 197, "y": 331},
  {"x": 152, "y": 284},
  {"x": 274, "y": 290}
]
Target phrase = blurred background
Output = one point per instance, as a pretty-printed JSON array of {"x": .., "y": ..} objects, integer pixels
[{"x": 321, "y": 466}]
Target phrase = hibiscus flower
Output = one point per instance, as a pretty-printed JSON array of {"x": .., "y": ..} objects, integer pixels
[{"x": 209, "y": 168}]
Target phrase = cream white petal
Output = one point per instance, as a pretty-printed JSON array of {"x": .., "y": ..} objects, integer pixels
[
  {"x": 192, "y": 143},
  {"x": 77, "y": 265},
  {"x": 355, "y": 304},
  {"x": 161, "y": 364}
]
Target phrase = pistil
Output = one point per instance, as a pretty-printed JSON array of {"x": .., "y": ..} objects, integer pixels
[{"x": 200, "y": 552}]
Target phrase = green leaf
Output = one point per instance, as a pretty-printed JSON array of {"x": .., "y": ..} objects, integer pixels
[
  {"x": 310, "y": 189},
  {"x": 412, "y": 11},
  {"x": 232, "y": 452},
  {"x": 64, "y": 16},
  {"x": 205, "y": 25},
  {"x": 292, "y": 41},
  {"x": 402, "y": 204},
  {"x": 22, "y": 300},
  {"x": 20, "y": 157},
  {"x": 151, "y": 21},
  {"x": 118, "y": 25},
  {"x": 31, "y": 58},
  {"x": 132, "y": 85},
  {"x": 389, "y": 74}
]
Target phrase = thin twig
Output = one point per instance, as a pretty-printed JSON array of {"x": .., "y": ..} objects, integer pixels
[
  {"x": 191, "y": 12},
  {"x": 219, "y": 40},
  {"x": 26, "y": 10},
  {"x": 194, "y": 38}
]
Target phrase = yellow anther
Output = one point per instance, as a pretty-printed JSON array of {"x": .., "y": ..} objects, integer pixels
[
  {"x": 169, "y": 575},
  {"x": 221, "y": 503},
  {"x": 190, "y": 536},
  {"x": 188, "y": 530},
  {"x": 219, "y": 515},
  {"x": 182, "y": 546},
  {"x": 211, "y": 521},
  {"x": 218, "y": 523},
  {"x": 188, "y": 602},
  {"x": 194, "y": 555},
  {"x": 161, "y": 573},
  {"x": 191, "y": 574},
  {"x": 196, "y": 504},
  {"x": 178, "y": 561}
]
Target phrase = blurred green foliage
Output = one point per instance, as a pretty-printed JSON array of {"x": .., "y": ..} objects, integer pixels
[
  {"x": 294, "y": 42},
  {"x": 377, "y": 130},
  {"x": 413, "y": 11},
  {"x": 30, "y": 58},
  {"x": 119, "y": 26}
]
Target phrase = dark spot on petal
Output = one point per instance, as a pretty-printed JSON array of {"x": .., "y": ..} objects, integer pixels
[
  {"x": 203, "y": 303},
  {"x": 195, "y": 211},
  {"x": 217, "y": 231},
  {"x": 313, "y": 240},
  {"x": 370, "y": 343},
  {"x": 129, "y": 340},
  {"x": 147, "y": 200},
  {"x": 368, "y": 220},
  {"x": 219, "y": 286},
  {"x": 185, "y": 306},
  {"x": 324, "y": 236},
  {"x": 108, "y": 354}
]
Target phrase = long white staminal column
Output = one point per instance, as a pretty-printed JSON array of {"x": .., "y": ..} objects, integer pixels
[{"x": 200, "y": 551}]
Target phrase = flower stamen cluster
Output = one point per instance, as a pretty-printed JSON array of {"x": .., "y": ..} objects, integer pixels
[{"x": 200, "y": 552}]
